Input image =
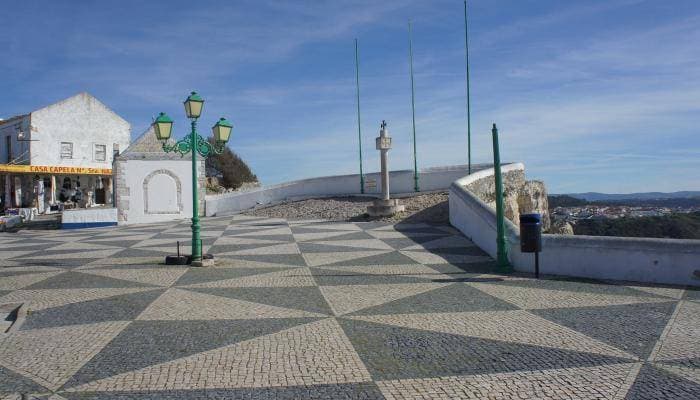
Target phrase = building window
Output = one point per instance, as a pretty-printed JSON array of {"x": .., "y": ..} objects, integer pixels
[
  {"x": 100, "y": 152},
  {"x": 66, "y": 150},
  {"x": 8, "y": 147}
]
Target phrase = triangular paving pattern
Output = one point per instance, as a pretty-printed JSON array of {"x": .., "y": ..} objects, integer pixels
[
  {"x": 62, "y": 350},
  {"x": 177, "y": 304},
  {"x": 310, "y": 354},
  {"x": 691, "y": 374},
  {"x": 316, "y": 259},
  {"x": 510, "y": 326},
  {"x": 655, "y": 383},
  {"x": 426, "y": 257},
  {"x": 150, "y": 276},
  {"x": 455, "y": 297},
  {"x": 125, "y": 307},
  {"x": 294, "y": 277},
  {"x": 48, "y": 298},
  {"x": 71, "y": 279},
  {"x": 285, "y": 248},
  {"x": 531, "y": 298},
  {"x": 146, "y": 343},
  {"x": 195, "y": 276},
  {"x": 443, "y": 242},
  {"x": 13, "y": 383},
  {"x": 682, "y": 342},
  {"x": 356, "y": 244},
  {"x": 300, "y": 298},
  {"x": 634, "y": 328},
  {"x": 348, "y": 299},
  {"x": 599, "y": 382},
  {"x": 391, "y": 352},
  {"x": 19, "y": 281}
]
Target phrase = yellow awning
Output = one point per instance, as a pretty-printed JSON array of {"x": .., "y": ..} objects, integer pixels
[{"x": 53, "y": 169}]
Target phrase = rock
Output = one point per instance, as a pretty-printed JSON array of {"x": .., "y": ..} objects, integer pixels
[
  {"x": 561, "y": 228},
  {"x": 532, "y": 198}
]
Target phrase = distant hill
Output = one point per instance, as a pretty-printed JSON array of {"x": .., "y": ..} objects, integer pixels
[{"x": 595, "y": 196}]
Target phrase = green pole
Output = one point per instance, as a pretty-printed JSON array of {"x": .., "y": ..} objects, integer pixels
[
  {"x": 469, "y": 117},
  {"x": 359, "y": 129},
  {"x": 413, "y": 107},
  {"x": 501, "y": 252},
  {"x": 196, "y": 248}
]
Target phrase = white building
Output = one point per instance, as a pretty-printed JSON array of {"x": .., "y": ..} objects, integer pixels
[{"x": 61, "y": 154}]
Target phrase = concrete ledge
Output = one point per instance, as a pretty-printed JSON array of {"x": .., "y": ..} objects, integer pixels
[
  {"x": 89, "y": 218},
  {"x": 652, "y": 260},
  {"x": 431, "y": 179}
]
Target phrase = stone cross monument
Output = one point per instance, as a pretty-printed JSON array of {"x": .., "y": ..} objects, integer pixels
[{"x": 384, "y": 206}]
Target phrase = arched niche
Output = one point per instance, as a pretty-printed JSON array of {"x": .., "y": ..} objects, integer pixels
[{"x": 162, "y": 193}]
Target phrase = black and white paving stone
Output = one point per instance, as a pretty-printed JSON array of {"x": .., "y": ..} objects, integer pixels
[{"x": 327, "y": 310}]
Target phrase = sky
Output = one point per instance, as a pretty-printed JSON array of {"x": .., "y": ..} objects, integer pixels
[{"x": 591, "y": 95}]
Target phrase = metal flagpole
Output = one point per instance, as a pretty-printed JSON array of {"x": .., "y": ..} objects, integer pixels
[
  {"x": 469, "y": 117},
  {"x": 413, "y": 107},
  {"x": 359, "y": 129}
]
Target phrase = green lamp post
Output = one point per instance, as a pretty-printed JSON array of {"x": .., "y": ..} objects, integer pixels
[{"x": 193, "y": 143}]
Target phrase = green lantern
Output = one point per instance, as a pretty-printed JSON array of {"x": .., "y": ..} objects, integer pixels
[
  {"x": 163, "y": 127},
  {"x": 222, "y": 130},
  {"x": 193, "y": 105}
]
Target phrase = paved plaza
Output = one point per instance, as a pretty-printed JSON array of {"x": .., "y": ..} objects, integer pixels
[{"x": 326, "y": 310}]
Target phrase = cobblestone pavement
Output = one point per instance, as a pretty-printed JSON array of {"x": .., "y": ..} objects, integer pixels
[{"x": 327, "y": 310}]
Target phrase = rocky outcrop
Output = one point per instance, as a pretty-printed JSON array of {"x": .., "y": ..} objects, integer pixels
[
  {"x": 561, "y": 228},
  {"x": 520, "y": 196}
]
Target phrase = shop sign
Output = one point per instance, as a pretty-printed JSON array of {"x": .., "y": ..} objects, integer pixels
[{"x": 53, "y": 169}]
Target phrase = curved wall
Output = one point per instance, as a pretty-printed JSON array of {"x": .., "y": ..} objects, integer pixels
[
  {"x": 667, "y": 261},
  {"x": 430, "y": 179}
]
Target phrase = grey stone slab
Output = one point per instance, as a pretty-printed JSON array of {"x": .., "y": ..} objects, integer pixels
[
  {"x": 456, "y": 297},
  {"x": 201, "y": 275},
  {"x": 145, "y": 343},
  {"x": 391, "y": 352},
  {"x": 116, "y": 308},
  {"x": 634, "y": 328},
  {"x": 350, "y": 391},
  {"x": 279, "y": 238},
  {"x": 655, "y": 384},
  {"x": 357, "y": 235},
  {"x": 76, "y": 280},
  {"x": 11, "y": 382},
  {"x": 468, "y": 251},
  {"x": 390, "y": 258},
  {"x": 288, "y": 259},
  {"x": 300, "y": 298},
  {"x": 329, "y": 277}
]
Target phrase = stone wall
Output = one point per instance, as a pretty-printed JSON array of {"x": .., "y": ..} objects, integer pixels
[
  {"x": 520, "y": 196},
  {"x": 668, "y": 261}
]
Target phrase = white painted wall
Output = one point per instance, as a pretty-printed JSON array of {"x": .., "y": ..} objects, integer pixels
[
  {"x": 90, "y": 216},
  {"x": 430, "y": 179},
  {"x": 82, "y": 120},
  {"x": 162, "y": 196},
  {"x": 20, "y": 150},
  {"x": 667, "y": 261}
]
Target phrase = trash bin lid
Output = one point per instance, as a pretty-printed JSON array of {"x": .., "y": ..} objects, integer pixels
[{"x": 533, "y": 218}]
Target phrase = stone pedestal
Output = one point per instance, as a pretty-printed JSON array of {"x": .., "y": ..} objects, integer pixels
[{"x": 385, "y": 206}]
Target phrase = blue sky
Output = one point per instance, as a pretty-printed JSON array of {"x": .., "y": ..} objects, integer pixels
[{"x": 591, "y": 95}]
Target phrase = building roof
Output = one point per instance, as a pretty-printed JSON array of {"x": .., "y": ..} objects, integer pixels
[
  {"x": 147, "y": 147},
  {"x": 12, "y": 119}
]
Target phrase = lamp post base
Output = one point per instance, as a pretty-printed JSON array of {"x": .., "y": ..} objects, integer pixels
[{"x": 205, "y": 262}]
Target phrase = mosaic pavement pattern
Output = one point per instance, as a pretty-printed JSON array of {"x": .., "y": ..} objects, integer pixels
[{"x": 326, "y": 310}]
